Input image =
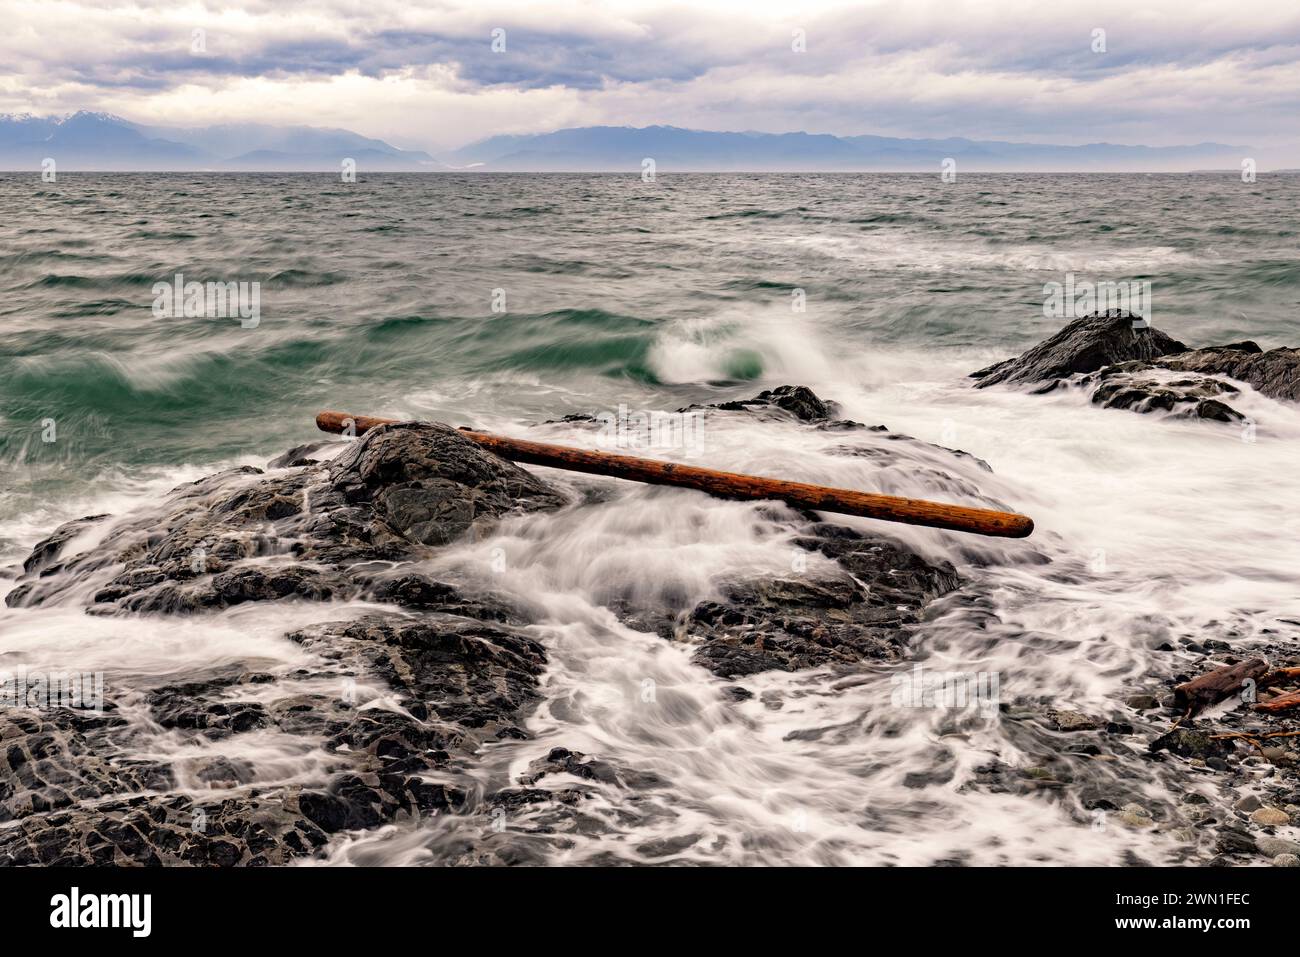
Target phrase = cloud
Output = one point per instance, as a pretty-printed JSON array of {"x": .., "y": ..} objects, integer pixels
[{"x": 428, "y": 77}]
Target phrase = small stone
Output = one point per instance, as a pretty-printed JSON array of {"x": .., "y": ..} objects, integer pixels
[
  {"x": 1248, "y": 803},
  {"x": 1234, "y": 842},
  {"x": 1143, "y": 702},
  {"x": 1271, "y": 817},
  {"x": 1135, "y": 815},
  {"x": 1073, "y": 721},
  {"x": 1286, "y": 860},
  {"x": 1192, "y": 797},
  {"x": 1273, "y": 846},
  {"x": 1274, "y": 754}
]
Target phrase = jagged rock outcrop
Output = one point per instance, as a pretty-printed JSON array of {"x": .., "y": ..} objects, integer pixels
[
  {"x": 1126, "y": 364},
  {"x": 1139, "y": 387},
  {"x": 1275, "y": 373},
  {"x": 1084, "y": 345},
  {"x": 787, "y": 400},
  {"x": 244, "y": 535},
  {"x": 458, "y": 664}
]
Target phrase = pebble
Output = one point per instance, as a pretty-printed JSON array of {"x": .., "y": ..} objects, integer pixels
[
  {"x": 1271, "y": 817},
  {"x": 1073, "y": 721},
  {"x": 1135, "y": 815},
  {"x": 1273, "y": 846},
  {"x": 1286, "y": 860},
  {"x": 1143, "y": 702},
  {"x": 1248, "y": 803}
]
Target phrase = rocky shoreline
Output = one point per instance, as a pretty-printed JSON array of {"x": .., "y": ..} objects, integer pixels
[
  {"x": 457, "y": 661},
  {"x": 406, "y": 694},
  {"x": 1125, "y": 363},
  {"x": 1233, "y": 767}
]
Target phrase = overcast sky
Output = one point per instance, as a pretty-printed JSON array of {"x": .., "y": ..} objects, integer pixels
[{"x": 424, "y": 75}]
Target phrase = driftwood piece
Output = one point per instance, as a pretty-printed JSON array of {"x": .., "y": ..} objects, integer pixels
[
  {"x": 1279, "y": 704},
  {"x": 1279, "y": 676},
  {"x": 1209, "y": 689},
  {"x": 890, "y": 508}
]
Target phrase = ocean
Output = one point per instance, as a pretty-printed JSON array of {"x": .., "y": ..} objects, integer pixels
[{"x": 509, "y": 301}]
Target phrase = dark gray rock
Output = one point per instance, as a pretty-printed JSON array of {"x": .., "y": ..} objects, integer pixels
[
  {"x": 475, "y": 674},
  {"x": 1137, "y": 387},
  {"x": 1191, "y": 743},
  {"x": 77, "y": 801},
  {"x": 1275, "y": 373},
  {"x": 785, "y": 401},
  {"x": 1085, "y": 345},
  {"x": 312, "y": 531},
  {"x": 453, "y": 666},
  {"x": 808, "y": 622},
  {"x": 1129, "y": 368},
  {"x": 241, "y": 535}
]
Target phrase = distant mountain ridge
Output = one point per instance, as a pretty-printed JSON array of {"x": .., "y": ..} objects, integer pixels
[
  {"x": 102, "y": 141},
  {"x": 673, "y": 148}
]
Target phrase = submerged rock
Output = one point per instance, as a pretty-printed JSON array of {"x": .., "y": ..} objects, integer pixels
[
  {"x": 461, "y": 682},
  {"x": 784, "y": 401},
  {"x": 812, "y": 620},
  {"x": 1275, "y": 373},
  {"x": 1140, "y": 388}
]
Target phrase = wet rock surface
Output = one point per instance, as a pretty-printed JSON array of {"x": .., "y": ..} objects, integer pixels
[
  {"x": 1084, "y": 345},
  {"x": 400, "y": 699},
  {"x": 399, "y": 696},
  {"x": 1126, "y": 364},
  {"x": 1228, "y": 776},
  {"x": 245, "y": 536},
  {"x": 1275, "y": 373},
  {"x": 811, "y": 621},
  {"x": 1139, "y": 388}
]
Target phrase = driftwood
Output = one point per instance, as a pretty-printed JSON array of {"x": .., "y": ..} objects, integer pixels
[
  {"x": 732, "y": 485},
  {"x": 1209, "y": 689},
  {"x": 1279, "y": 676},
  {"x": 1284, "y": 702}
]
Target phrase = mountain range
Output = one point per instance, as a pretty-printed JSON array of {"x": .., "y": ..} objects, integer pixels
[
  {"x": 672, "y": 148},
  {"x": 101, "y": 141}
]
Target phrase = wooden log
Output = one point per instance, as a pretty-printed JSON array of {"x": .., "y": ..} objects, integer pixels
[
  {"x": 1211, "y": 688},
  {"x": 890, "y": 508},
  {"x": 1279, "y": 676},
  {"x": 1284, "y": 702}
]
